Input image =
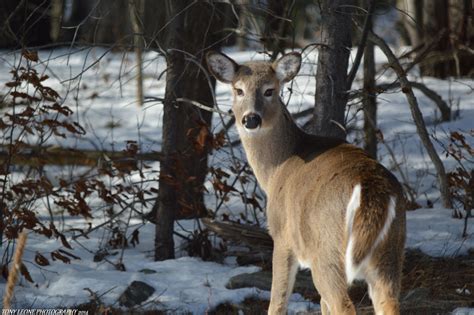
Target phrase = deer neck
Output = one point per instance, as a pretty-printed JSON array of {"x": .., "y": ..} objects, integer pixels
[{"x": 269, "y": 148}]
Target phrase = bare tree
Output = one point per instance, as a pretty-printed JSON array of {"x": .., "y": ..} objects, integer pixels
[
  {"x": 103, "y": 22},
  {"x": 417, "y": 118},
  {"x": 276, "y": 26},
  {"x": 192, "y": 32},
  {"x": 370, "y": 98},
  {"x": 136, "y": 8},
  {"x": 451, "y": 54},
  {"x": 57, "y": 7},
  {"x": 331, "y": 76}
]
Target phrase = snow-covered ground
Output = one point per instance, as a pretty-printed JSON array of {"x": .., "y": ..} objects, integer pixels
[{"x": 103, "y": 96}]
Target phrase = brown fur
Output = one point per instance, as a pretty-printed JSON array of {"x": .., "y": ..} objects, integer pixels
[{"x": 309, "y": 181}]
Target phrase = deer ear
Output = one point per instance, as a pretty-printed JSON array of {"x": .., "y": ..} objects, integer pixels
[
  {"x": 221, "y": 66},
  {"x": 287, "y": 67}
]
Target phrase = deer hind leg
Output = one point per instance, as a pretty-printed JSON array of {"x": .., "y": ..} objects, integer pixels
[
  {"x": 384, "y": 275},
  {"x": 384, "y": 281},
  {"x": 324, "y": 307},
  {"x": 284, "y": 272},
  {"x": 384, "y": 297},
  {"x": 332, "y": 287}
]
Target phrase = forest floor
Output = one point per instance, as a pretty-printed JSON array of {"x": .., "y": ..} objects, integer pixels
[{"x": 430, "y": 286}]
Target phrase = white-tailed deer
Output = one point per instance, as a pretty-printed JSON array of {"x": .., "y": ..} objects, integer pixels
[{"x": 330, "y": 208}]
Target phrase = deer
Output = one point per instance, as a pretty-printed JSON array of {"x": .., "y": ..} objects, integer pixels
[{"x": 330, "y": 207}]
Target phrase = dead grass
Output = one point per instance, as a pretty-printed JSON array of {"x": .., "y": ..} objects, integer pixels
[{"x": 448, "y": 279}]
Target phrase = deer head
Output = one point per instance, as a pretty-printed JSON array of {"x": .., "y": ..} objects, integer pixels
[{"x": 256, "y": 88}]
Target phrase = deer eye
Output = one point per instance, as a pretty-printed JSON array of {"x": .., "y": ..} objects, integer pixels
[
  {"x": 239, "y": 92},
  {"x": 269, "y": 92}
]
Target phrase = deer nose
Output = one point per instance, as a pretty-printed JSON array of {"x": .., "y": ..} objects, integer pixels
[{"x": 251, "y": 121}]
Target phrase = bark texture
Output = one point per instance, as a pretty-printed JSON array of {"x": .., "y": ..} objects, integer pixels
[
  {"x": 331, "y": 76},
  {"x": 370, "y": 100},
  {"x": 186, "y": 140}
]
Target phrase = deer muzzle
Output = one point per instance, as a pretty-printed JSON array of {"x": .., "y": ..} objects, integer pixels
[{"x": 252, "y": 121}]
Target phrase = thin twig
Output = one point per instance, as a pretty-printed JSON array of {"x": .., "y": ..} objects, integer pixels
[{"x": 202, "y": 106}]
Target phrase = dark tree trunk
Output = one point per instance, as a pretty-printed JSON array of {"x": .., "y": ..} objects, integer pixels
[
  {"x": 331, "y": 76},
  {"x": 108, "y": 23},
  {"x": 185, "y": 127},
  {"x": 435, "y": 19},
  {"x": 276, "y": 27},
  {"x": 370, "y": 100},
  {"x": 24, "y": 23},
  {"x": 450, "y": 55},
  {"x": 72, "y": 16}
]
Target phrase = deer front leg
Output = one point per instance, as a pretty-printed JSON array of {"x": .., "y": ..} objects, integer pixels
[{"x": 283, "y": 278}]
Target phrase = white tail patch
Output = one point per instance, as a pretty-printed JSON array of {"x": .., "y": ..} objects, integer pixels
[
  {"x": 352, "y": 271},
  {"x": 352, "y": 206},
  {"x": 388, "y": 222}
]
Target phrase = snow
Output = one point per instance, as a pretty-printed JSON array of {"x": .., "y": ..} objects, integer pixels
[
  {"x": 463, "y": 311},
  {"x": 198, "y": 286},
  {"x": 103, "y": 96},
  {"x": 436, "y": 233},
  {"x": 185, "y": 284}
]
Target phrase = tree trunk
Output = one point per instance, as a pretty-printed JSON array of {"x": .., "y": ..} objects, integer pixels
[
  {"x": 107, "y": 22},
  {"x": 185, "y": 127},
  {"x": 56, "y": 19},
  {"x": 331, "y": 76},
  {"x": 136, "y": 8},
  {"x": 275, "y": 27},
  {"x": 154, "y": 17},
  {"x": 411, "y": 21},
  {"x": 435, "y": 18},
  {"x": 450, "y": 55},
  {"x": 370, "y": 100},
  {"x": 24, "y": 23}
]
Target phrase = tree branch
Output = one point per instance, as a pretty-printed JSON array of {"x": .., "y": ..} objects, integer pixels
[
  {"x": 360, "y": 49},
  {"x": 432, "y": 95},
  {"x": 417, "y": 117}
]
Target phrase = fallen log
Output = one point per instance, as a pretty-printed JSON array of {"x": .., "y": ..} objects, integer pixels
[
  {"x": 39, "y": 156},
  {"x": 253, "y": 236},
  {"x": 303, "y": 285},
  {"x": 263, "y": 281}
]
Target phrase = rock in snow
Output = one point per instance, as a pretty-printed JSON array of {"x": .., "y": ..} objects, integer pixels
[{"x": 136, "y": 293}]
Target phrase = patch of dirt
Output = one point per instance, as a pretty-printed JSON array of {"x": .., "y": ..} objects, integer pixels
[{"x": 448, "y": 279}]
